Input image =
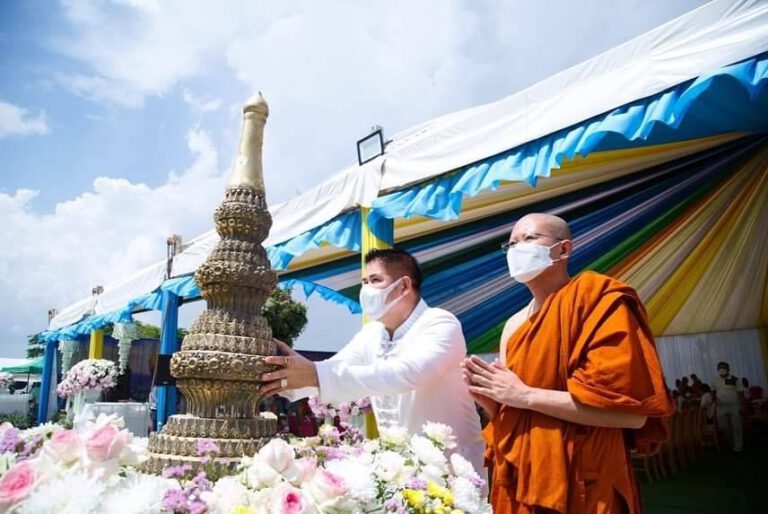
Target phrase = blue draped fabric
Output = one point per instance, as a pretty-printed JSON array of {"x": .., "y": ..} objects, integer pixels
[{"x": 730, "y": 99}]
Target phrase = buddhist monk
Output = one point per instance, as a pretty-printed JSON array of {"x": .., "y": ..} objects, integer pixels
[{"x": 578, "y": 385}]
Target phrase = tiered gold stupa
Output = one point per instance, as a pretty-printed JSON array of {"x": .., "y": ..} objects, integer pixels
[{"x": 222, "y": 358}]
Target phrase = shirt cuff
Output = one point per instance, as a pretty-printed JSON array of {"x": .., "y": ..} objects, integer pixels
[
  {"x": 326, "y": 379},
  {"x": 297, "y": 394}
]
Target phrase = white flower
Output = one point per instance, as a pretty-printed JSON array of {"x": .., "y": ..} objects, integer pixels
[
  {"x": 432, "y": 473},
  {"x": 277, "y": 454},
  {"x": 259, "y": 500},
  {"x": 45, "y": 430},
  {"x": 274, "y": 463},
  {"x": 137, "y": 493},
  {"x": 7, "y": 460},
  {"x": 71, "y": 493},
  {"x": 466, "y": 496},
  {"x": 463, "y": 468},
  {"x": 440, "y": 434},
  {"x": 426, "y": 451},
  {"x": 259, "y": 475},
  {"x": 390, "y": 467},
  {"x": 357, "y": 476},
  {"x": 371, "y": 446},
  {"x": 227, "y": 493},
  {"x": 396, "y": 437}
]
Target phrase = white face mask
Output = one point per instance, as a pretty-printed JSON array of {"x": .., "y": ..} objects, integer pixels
[
  {"x": 374, "y": 300},
  {"x": 526, "y": 261},
  {"x": 723, "y": 372}
]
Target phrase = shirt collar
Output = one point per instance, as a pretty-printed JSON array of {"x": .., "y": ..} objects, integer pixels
[{"x": 406, "y": 325}]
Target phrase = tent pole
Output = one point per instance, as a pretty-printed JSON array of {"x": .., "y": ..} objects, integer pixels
[
  {"x": 47, "y": 379},
  {"x": 96, "y": 346},
  {"x": 169, "y": 344},
  {"x": 377, "y": 233}
]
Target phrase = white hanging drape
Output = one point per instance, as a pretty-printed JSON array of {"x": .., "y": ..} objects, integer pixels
[{"x": 699, "y": 353}]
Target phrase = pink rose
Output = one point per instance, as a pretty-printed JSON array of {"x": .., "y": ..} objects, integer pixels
[
  {"x": 64, "y": 445},
  {"x": 307, "y": 467},
  {"x": 278, "y": 455},
  {"x": 287, "y": 500},
  {"x": 327, "y": 488},
  {"x": 106, "y": 443},
  {"x": 16, "y": 484}
]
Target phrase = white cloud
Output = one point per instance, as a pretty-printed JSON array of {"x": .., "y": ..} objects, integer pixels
[
  {"x": 17, "y": 121},
  {"x": 200, "y": 104},
  {"x": 52, "y": 260}
]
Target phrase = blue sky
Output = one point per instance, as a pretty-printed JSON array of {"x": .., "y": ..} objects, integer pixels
[{"x": 119, "y": 119}]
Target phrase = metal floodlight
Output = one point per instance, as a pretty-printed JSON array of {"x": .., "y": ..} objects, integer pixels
[{"x": 371, "y": 146}]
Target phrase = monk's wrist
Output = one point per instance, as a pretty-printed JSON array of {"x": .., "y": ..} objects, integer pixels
[{"x": 531, "y": 398}]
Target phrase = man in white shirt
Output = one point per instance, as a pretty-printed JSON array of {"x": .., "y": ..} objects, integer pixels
[
  {"x": 407, "y": 359},
  {"x": 729, "y": 394}
]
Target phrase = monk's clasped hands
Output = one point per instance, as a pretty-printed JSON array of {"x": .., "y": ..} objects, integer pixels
[{"x": 496, "y": 382}]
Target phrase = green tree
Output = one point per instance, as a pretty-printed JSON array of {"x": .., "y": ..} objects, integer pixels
[
  {"x": 35, "y": 347},
  {"x": 286, "y": 317}
]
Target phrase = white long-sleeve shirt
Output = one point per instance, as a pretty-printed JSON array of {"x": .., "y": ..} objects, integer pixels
[{"x": 412, "y": 378}]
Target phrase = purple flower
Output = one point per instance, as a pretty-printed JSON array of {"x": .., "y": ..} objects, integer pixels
[
  {"x": 477, "y": 482},
  {"x": 206, "y": 447},
  {"x": 391, "y": 504},
  {"x": 176, "y": 471},
  {"x": 333, "y": 453},
  {"x": 417, "y": 483},
  {"x": 32, "y": 447},
  {"x": 201, "y": 482},
  {"x": 175, "y": 500},
  {"x": 10, "y": 441},
  {"x": 198, "y": 507}
]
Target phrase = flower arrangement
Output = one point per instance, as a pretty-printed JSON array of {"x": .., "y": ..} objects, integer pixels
[
  {"x": 50, "y": 469},
  {"x": 88, "y": 375},
  {"x": 398, "y": 473},
  {"x": 345, "y": 411},
  {"x": 6, "y": 379}
]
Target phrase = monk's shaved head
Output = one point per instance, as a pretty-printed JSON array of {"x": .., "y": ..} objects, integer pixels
[{"x": 543, "y": 224}]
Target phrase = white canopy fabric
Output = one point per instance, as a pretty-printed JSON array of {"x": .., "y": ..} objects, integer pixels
[
  {"x": 712, "y": 36},
  {"x": 699, "y": 42}
]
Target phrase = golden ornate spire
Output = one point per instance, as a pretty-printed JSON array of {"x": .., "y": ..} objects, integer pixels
[
  {"x": 221, "y": 360},
  {"x": 248, "y": 169}
]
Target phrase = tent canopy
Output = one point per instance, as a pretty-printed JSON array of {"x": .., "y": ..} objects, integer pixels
[
  {"x": 23, "y": 366},
  {"x": 691, "y": 86}
]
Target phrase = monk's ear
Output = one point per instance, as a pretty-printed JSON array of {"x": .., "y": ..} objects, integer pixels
[{"x": 566, "y": 249}]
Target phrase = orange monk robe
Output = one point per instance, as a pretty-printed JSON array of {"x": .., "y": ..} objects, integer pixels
[{"x": 592, "y": 339}]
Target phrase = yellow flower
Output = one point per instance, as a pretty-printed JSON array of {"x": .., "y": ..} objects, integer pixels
[
  {"x": 414, "y": 497},
  {"x": 442, "y": 493},
  {"x": 242, "y": 509}
]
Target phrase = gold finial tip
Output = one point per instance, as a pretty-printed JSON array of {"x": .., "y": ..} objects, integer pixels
[{"x": 256, "y": 103}]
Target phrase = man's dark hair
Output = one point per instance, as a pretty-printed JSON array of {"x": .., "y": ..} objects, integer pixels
[
  {"x": 723, "y": 364},
  {"x": 399, "y": 260}
]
